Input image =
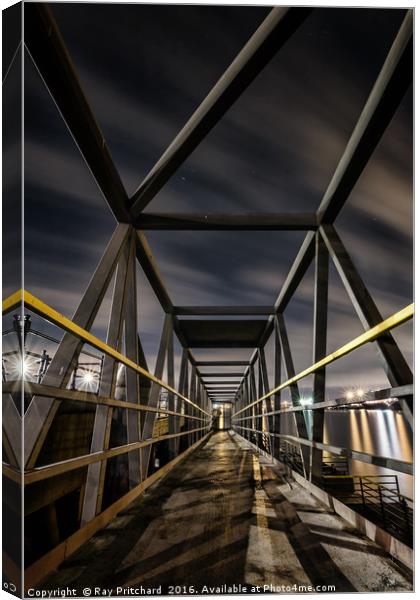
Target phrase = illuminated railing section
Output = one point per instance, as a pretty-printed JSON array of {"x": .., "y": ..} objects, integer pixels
[
  {"x": 202, "y": 418},
  {"x": 370, "y": 335}
]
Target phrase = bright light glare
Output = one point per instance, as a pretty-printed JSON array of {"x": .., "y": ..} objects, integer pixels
[
  {"x": 306, "y": 401},
  {"x": 88, "y": 377},
  {"x": 349, "y": 395},
  {"x": 24, "y": 369},
  {"x": 360, "y": 393}
]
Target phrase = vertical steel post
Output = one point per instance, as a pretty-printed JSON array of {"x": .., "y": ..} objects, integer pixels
[
  {"x": 319, "y": 351},
  {"x": 154, "y": 395},
  {"x": 277, "y": 396},
  {"x": 95, "y": 479},
  {"x": 294, "y": 392},
  {"x": 172, "y": 399},
  {"x": 131, "y": 377}
]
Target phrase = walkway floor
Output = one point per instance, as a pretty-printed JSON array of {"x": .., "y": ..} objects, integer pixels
[{"x": 219, "y": 519}]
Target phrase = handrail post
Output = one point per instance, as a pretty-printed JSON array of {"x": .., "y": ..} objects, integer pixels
[
  {"x": 362, "y": 492},
  {"x": 381, "y": 500}
]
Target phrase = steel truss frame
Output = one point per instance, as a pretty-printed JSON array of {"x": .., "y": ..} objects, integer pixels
[{"x": 45, "y": 45}]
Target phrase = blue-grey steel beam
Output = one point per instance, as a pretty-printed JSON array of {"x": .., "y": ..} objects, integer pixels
[
  {"x": 222, "y": 363},
  {"x": 150, "y": 418},
  {"x": 253, "y": 221},
  {"x": 272, "y": 34},
  {"x": 172, "y": 399},
  {"x": 223, "y": 310},
  {"x": 319, "y": 350},
  {"x": 132, "y": 379},
  {"x": 395, "y": 365},
  {"x": 384, "y": 99},
  {"x": 95, "y": 478},
  {"x": 294, "y": 388},
  {"x": 49, "y": 53},
  {"x": 41, "y": 411},
  {"x": 151, "y": 270}
]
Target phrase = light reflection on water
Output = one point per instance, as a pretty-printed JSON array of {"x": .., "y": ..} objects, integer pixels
[{"x": 379, "y": 432}]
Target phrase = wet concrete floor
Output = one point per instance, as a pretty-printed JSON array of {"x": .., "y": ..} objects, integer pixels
[{"x": 220, "y": 519}]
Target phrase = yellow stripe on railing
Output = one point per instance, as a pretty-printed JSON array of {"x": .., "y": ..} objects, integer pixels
[
  {"x": 394, "y": 320},
  {"x": 57, "y": 318}
]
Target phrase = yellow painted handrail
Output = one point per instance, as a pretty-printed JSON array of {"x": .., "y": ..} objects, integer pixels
[
  {"x": 394, "y": 320},
  {"x": 42, "y": 309}
]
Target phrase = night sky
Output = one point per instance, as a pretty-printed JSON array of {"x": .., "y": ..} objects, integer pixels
[{"x": 144, "y": 70}]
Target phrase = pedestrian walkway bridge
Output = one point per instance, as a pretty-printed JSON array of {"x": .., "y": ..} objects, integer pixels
[
  {"x": 220, "y": 520},
  {"x": 126, "y": 482}
]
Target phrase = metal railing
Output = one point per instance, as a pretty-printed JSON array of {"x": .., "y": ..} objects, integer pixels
[
  {"x": 248, "y": 412},
  {"x": 398, "y": 318},
  {"x": 378, "y": 497},
  {"x": 291, "y": 456},
  {"x": 198, "y": 414},
  {"x": 334, "y": 465}
]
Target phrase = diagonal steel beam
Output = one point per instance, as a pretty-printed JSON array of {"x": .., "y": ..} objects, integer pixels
[
  {"x": 51, "y": 57},
  {"x": 151, "y": 270},
  {"x": 12, "y": 429},
  {"x": 41, "y": 411},
  {"x": 395, "y": 365},
  {"x": 272, "y": 34},
  {"x": 297, "y": 271},
  {"x": 384, "y": 99}
]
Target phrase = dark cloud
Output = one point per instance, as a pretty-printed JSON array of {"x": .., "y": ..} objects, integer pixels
[{"x": 145, "y": 69}]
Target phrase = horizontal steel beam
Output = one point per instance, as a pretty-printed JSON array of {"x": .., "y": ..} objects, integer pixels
[
  {"x": 272, "y": 34},
  {"x": 222, "y": 363},
  {"x": 205, "y": 375},
  {"x": 210, "y": 384},
  {"x": 222, "y": 391},
  {"x": 227, "y": 222},
  {"x": 229, "y": 400},
  {"x": 223, "y": 310}
]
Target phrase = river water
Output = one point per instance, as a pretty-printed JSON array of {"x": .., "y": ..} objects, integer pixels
[{"x": 379, "y": 432}]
